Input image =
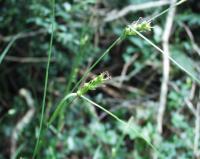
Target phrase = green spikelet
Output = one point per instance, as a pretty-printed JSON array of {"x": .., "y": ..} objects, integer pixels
[
  {"x": 93, "y": 84},
  {"x": 139, "y": 26}
]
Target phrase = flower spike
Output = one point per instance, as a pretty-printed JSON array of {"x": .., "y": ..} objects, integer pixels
[{"x": 93, "y": 84}]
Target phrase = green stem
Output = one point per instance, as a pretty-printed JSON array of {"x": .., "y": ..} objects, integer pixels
[
  {"x": 114, "y": 152},
  {"x": 174, "y": 61},
  {"x": 46, "y": 81},
  {"x": 60, "y": 107},
  {"x": 122, "y": 122},
  {"x": 72, "y": 76},
  {"x": 102, "y": 108},
  {"x": 166, "y": 10},
  {"x": 7, "y": 49},
  {"x": 97, "y": 61},
  {"x": 86, "y": 73}
]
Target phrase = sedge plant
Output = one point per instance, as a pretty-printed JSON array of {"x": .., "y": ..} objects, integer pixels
[
  {"x": 131, "y": 30},
  {"x": 134, "y": 29}
]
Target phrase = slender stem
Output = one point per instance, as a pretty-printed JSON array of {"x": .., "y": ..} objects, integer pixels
[
  {"x": 72, "y": 76},
  {"x": 174, "y": 61},
  {"x": 60, "y": 107},
  {"x": 122, "y": 122},
  {"x": 166, "y": 10},
  {"x": 46, "y": 81},
  {"x": 7, "y": 49},
  {"x": 102, "y": 108},
  {"x": 128, "y": 124},
  {"x": 97, "y": 61}
]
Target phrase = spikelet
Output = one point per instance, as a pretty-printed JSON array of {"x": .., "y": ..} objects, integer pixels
[
  {"x": 143, "y": 26},
  {"x": 93, "y": 84}
]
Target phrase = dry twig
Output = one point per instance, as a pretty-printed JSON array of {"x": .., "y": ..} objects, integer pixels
[
  {"x": 190, "y": 35},
  {"x": 27, "y": 59},
  {"x": 115, "y": 14},
  {"x": 196, "y": 133},
  {"x": 22, "y": 122},
  {"x": 166, "y": 66},
  {"x": 22, "y": 35},
  {"x": 125, "y": 68}
]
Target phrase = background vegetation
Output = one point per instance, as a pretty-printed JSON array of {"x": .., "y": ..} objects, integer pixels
[{"x": 83, "y": 30}]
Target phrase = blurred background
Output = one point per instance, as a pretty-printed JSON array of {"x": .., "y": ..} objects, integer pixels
[{"x": 162, "y": 99}]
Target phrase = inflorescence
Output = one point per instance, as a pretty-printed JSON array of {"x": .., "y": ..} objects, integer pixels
[
  {"x": 93, "y": 84},
  {"x": 140, "y": 26}
]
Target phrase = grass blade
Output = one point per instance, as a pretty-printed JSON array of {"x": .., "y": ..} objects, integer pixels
[
  {"x": 7, "y": 49},
  {"x": 60, "y": 107},
  {"x": 46, "y": 81}
]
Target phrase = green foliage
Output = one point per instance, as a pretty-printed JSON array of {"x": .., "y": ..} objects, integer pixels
[
  {"x": 81, "y": 35},
  {"x": 189, "y": 17}
]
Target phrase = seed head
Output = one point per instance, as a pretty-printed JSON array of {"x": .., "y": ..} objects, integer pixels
[
  {"x": 143, "y": 26},
  {"x": 93, "y": 84}
]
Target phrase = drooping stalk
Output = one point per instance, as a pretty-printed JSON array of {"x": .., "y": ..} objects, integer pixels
[
  {"x": 60, "y": 107},
  {"x": 3, "y": 54},
  {"x": 120, "y": 141},
  {"x": 174, "y": 61},
  {"x": 118, "y": 40},
  {"x": 122, "y": 122}
]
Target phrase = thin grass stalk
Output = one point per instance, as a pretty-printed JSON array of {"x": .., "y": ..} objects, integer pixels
[
  {"x": 7, "y": 49},
  {"x": 174, "y": 61},
  {"x": 46, "y": 81},
  {"x": 73, "y": 74},
  {"x": 119, "y": 143},
  {"x": 118, "y": 40},
  {"x": 67, "y": 103},
  {"x": 60, "y": 107},
  {"x": 105, "y": 110},
  {"x": 166, "y": 10},
  {"x": 122, "y": 122}
]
